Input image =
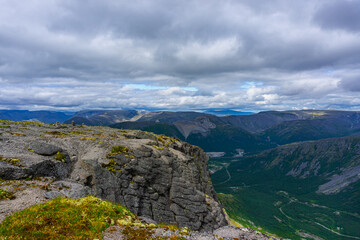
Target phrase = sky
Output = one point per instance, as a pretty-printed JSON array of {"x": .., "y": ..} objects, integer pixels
[{"x": 249, "y": 55}]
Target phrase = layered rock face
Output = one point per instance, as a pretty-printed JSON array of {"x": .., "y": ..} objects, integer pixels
[{"x": 155, "y": 176}]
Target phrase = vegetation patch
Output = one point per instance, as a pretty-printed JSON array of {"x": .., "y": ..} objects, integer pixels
[
  {"x": 77, "y": 132},
  {"x": 158, "y": 148},
  {"x": 64, "y": 218},
  {"x": 17, "y": 134},
  {"x": 165, "y": 140},
  {"x": 12, "y": 161},
  {"x": 6, "y": 195},
  {"x": 88, "y": 138},
  {"x": 85, "y": 218},
  {"x": 5, "y": 126},
  {"x": 118, "y": 150},
  {"x": 21, "y": 122},
  {"x": 111, "y": 166},
  {"x": 60, "y": 157},
  {"x": 125, "y": 151}
]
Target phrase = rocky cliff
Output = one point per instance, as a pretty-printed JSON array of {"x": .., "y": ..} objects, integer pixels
[{"x": 155, "y": 176}]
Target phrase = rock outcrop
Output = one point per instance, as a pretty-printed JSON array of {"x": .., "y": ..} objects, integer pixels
[{"x": 155, "y": 176}]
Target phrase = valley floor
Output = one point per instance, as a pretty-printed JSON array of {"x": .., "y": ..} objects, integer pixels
[{"x": 272, "y": 205}]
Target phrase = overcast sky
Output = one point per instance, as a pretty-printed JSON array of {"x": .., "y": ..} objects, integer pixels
[{"x": 247, "y": 55}]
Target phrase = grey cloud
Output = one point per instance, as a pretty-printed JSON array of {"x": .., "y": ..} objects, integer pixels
[
  {"x": 351, "y": 83},
  {"x": 343, "y": 14},
  {"x": 213, "y": 46}
]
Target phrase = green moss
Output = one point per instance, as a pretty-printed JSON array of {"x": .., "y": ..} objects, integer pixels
[
  {"x": 6, "y": 195},
  {"x": 88, "y": 138},
  {"x": 125, "y": 151},
  {"x": 77, "y": 132},
  {"x": 12, "y": 161},
  {"x": 64, "y": 218},
  {"x": 31, "y": 150},
  {"x": 158, "y": 148},
  {"x": 165, "y": 140},
  {"x": 119, "y": 149},
  {"x": 85, "y": 218},
  {"x": 111, "y": 166},
  {"x": 60, "y": 157},
  {"x": 5, "y": 127}
]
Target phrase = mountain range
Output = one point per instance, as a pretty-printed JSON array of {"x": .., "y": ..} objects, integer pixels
[
  {"x": 252, "y": 133},
  {"x": 215, "y": 133}
]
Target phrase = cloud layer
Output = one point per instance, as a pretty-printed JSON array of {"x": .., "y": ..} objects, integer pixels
[{"x": 180, "y": 55}]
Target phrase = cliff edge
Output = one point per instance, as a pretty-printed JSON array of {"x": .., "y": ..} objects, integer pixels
[{"x": 154, "y": 176}]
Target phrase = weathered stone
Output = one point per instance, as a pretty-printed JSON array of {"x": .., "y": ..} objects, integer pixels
[
  {"x": 53, "y": 194},
  {"x": 44, "y": 149}
]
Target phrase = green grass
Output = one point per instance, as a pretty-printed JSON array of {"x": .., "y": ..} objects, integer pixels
[
  {"x": 5, "y": 194},
  {"x": 85, "y": 218},
  {"x": 64, "y": 218}
]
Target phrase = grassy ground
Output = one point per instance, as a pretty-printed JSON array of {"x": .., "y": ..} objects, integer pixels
[{"x": 85, "y": 218}]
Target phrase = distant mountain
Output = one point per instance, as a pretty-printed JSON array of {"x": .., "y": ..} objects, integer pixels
[
  {"x": 35, "y": 116},
  {"x": 102, "y": 117},
  {"x": 262, "y": 120},
  {"x": 224, "y": 112},
  {"x": 168, "y": 117},
  {"x": 252, "y": 133},
  {"x": 314, "y": 126},
  {"x": 206, "y": 131}
]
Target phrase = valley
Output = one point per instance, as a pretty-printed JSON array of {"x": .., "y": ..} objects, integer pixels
[{"x": 258, "y": 191}]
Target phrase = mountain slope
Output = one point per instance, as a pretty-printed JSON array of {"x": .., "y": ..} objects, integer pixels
[
  {"x": 102, "y": 117},
  {"x": 328, "y": 125},
  {"x": 169, "y": 117},
  {"x": 307, "y": 188}
]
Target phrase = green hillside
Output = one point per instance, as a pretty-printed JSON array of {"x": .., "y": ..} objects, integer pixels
[{"x": 277, "y": 192}]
